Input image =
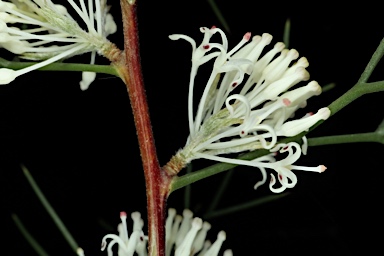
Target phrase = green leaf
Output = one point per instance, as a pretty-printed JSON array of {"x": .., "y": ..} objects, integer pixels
[
  {"x": 219, "y": 15},
  {"x": 56, "y": 219},
  {"x": 35, "y": 245}
]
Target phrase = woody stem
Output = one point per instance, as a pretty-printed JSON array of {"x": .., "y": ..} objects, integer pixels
[{"x": 157, "y": 181}]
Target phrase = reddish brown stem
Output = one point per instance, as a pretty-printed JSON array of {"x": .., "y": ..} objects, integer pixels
[{"x": 157, "y": 181}]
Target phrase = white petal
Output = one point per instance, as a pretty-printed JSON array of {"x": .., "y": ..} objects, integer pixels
[
  {"x": 88, "y": 78},
  {"x": 215, "y": 247},
  {"x": 110, "y": 26},
  {"x": 295, "y": 127},
  {"x": 185, "y": 247},
  {"x": 7, "y": 75}
]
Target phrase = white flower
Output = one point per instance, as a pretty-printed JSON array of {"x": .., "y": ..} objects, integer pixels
[
  {"x": 185, "y": 236},
  {"x": 127, "y": 245},
  {"x": 248, "y": 103},
  {"x": 46, "y": 32}
]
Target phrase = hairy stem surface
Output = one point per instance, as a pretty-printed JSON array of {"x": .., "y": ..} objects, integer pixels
[{"x": 157, "y": 182}]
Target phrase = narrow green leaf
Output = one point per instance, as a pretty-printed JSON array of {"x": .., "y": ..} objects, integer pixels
[
  {"x": 328, "y": 87},
  {"x": 59, "y": 66},
  {"x": 32, "y": 241},
  {"x": 376, "y": 57},
  {"x": 342, "y": 139},
  {"x": 219, "y": 15},
  {"x": 219, "y": 193},
  {"x": 56, "y": 219},
  {"x": 187, "y": 190},
  {"x": 244, "y": 206},
  {"x": 287, "y": 33}
]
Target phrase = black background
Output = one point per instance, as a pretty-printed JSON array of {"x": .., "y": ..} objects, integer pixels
[{"x": 82, "y": 150}]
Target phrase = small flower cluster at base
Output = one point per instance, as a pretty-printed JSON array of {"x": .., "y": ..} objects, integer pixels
[
  {"x": 185, "y": 236},
  {"x": 248, "y": 103},
  {"x": 128, "y": 245},
  {"x": 43, "y": 24}
]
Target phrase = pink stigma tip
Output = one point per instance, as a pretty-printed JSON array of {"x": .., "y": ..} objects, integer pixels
[
  {"x": 286, "y": 102},
  {"x": 213, "y": 27},
  {"x": 322, "y": 168},
  {"x": 247, "y": 36},
  {"x": 123, "y": 214}
]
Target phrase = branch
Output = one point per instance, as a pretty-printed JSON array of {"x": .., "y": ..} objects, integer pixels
[{"x": 377, "y": 55}]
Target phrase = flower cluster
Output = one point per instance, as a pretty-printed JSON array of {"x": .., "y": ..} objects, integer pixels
[
  {"x": 249, "y": 103},
  {"x": 184, "y": 236},
  {"x": 46, "y": 32}
]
